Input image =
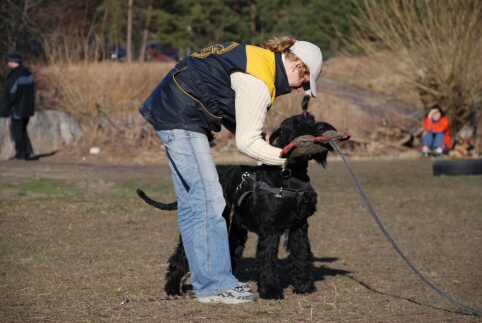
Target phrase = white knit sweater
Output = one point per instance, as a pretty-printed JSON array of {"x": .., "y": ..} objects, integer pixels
[{"x": 252, "y": 102}]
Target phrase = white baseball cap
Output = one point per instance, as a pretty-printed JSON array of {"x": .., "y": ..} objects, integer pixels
[{"x": 310, "y": 55}]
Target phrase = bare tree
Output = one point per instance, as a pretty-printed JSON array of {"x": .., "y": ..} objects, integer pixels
[
  {"x": 16, "y": 24},
  {"x": 441, "y": 40},
  {"x": 252, "y": 29},
  {"x": 145, "y": 33},
  {"x": 129, "y": 31}
]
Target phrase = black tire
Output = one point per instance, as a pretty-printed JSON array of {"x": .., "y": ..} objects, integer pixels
[{"x": 457, "y": 167}]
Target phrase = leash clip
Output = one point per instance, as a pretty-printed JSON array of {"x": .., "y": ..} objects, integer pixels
[
  {"x": 243, "y": 179},
  {"x": 285, "y": 172}
]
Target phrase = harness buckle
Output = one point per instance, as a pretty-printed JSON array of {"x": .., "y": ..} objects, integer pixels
[{"x": 280, "y": 193}]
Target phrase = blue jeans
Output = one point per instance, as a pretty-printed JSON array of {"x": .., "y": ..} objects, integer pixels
[
  {"x": 433, "y": 140},
  {"x": 200, "y": 207}
]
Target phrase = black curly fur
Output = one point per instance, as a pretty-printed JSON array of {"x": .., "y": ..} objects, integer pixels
[{"x": 266, "y": 215}]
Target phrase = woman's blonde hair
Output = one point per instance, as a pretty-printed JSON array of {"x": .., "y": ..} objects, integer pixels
[{"x": 282, "y": 44}]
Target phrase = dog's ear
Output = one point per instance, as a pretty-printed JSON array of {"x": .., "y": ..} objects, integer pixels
[
  {"x": 292, "y": 127},
  {"x": 321, "y": 158},
  {"x": 282, "y": 136},
  {"x": 273, "y": 138}
]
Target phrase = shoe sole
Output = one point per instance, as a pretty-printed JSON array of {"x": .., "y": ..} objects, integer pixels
[
  {"x": 224, "y": 300},
  {"x": 247, "y": 287}
]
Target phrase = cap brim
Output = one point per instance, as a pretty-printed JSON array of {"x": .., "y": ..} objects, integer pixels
[{"x": 310, "y": 89}]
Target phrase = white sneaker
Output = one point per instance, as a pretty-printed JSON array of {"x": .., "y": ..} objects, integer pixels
[
  {"x": 236, "y": 295},
  {"x": 246, "y": 286}
]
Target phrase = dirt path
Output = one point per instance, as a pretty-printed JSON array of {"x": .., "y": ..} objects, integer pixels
[
  {"x": 374, "y": 104},
  {"x": 68, "y": 170}
]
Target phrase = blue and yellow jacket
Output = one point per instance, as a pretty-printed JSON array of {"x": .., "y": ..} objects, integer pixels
[{"x": 196, "y": 94}]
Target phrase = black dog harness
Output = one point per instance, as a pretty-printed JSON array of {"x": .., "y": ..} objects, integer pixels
[{"x": 278, "y": 192}]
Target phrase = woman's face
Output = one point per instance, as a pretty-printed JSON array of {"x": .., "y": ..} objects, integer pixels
[
  {"x": 436, "y": 115},
  {"x": 295, "y": 81}
]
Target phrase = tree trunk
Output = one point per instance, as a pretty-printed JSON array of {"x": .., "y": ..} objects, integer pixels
[
  {"x": 253, "y": 22},
  {"x": 146, "y": 33},
  {"x": 104, "y": 19},
  {"x": 129, "y": 32}
]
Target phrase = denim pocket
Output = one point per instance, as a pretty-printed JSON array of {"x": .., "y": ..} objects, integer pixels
[{"x": 167, "y": 136}]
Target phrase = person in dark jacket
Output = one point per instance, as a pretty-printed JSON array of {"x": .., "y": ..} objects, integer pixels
[
  {"x": 19, "y": 104},
  {"x": 233, "y": 85}
]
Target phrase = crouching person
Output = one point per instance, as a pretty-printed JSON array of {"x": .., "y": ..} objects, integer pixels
[{"x": 436, "y": 137}]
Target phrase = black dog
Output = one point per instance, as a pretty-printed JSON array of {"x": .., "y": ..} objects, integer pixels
[{"x": 269, "y": 201}]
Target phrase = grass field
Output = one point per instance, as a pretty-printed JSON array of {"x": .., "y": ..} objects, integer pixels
[{"x": 75, "y": 240}]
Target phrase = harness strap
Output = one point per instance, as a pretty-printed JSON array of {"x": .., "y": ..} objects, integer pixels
[
  {"x": 278, "y": 192},
  {"x": 241, "y": 198}
]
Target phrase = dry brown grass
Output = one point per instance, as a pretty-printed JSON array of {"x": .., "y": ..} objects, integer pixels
[
  {"x": 90, "y": 89},
  {"x": 105, "y": 96},
  {"x": 441, "y": 40}
]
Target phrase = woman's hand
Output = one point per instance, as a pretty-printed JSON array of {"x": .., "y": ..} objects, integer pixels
[
  {"x": 291, "y": 160},
  {"x": 265, "y": 136},
  {"x": 434, "y": 114}
]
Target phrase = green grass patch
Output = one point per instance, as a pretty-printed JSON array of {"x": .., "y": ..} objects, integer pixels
[{"x": 40, "y": 188}]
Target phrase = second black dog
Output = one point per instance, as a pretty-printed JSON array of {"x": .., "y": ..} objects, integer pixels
[{"x": 268, "y": 201}]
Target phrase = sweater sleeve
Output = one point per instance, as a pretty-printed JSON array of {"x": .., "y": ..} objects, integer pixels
[
  {"x": 426, "y": 124},
  {"x": 251, "y": 104}
]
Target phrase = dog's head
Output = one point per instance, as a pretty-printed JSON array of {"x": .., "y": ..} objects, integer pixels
[
  {"x": 303, "y": 137},
  {"x": 464, "y": 143}
]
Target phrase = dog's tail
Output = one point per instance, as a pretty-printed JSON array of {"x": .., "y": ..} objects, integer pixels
[{"x": 156, "y": 204}]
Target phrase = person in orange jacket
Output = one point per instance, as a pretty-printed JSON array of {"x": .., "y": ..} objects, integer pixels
[{"x": 436, "y": 136}]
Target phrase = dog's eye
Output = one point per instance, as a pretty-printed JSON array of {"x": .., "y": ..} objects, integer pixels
[{"x": 320, "y": 128}]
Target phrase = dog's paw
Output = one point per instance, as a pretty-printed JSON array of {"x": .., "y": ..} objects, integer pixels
[
  {"x": 310, "y": 288},
  {"x": 172, "y": 289},
  {"x": 271, "y": 294}
]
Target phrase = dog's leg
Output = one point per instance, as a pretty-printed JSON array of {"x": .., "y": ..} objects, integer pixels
[
  {"x": 237, "y": 241},
  {"x": 269, "y": 286},
  {"x": 178, "y": 267},
  {"x": 300, "y": 260}
]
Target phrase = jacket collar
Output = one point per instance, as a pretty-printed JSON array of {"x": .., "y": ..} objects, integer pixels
[{"x": 281, "y": 79}]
